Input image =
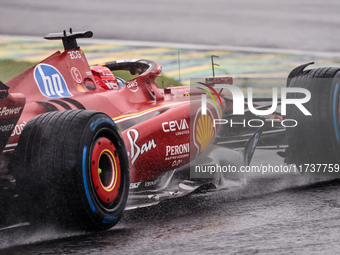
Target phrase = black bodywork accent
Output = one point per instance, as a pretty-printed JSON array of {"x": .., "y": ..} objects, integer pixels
[
  {"x": 3, "y": 90},
  {"x": 62, "y": 104},
  {"x": 74, "y": 102},
  {"x": 297, "y": 70},
  {"x": 48, "y": 106}
]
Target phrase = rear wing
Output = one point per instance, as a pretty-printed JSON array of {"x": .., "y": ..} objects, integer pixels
[
  {"x": 61, "y": 75},
  {"x": 69, "y": 38}
]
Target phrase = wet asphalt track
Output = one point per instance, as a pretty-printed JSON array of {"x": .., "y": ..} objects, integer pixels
[
  {"x": 264, "y": 218},
  {"x": 285, "y": 24},
  {"x": 268, "y": 216}
]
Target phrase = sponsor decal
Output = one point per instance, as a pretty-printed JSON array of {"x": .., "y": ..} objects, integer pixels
[
  {"x": 176, "y": 163},
  {"x": 180, "y": 127},
  {"x": 175, "y": 152},
  {"x": 6, "y": 128},
  {"x": 177, "y": 149},
  {"x": 4, "y": 111},
  {"x": 50, "y": 81},
  {"x": 136, "y": 148},
  {"x": 74, "y": 54},
  {"x": 76, "y": 75},
  {"x": 135, "y": 185},
  {"x": 132, "y": 85},
  {"x": 205, "y": 131},
  {"x": 151, "y": 183},
  {"x": 18, "y": 129}
]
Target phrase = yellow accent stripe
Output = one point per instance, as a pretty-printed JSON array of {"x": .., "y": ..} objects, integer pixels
[
  {"x": 137, "y": 114},
  {"x": 116, "y": 172}
]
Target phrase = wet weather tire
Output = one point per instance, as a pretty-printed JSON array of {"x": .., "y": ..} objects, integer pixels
[
  {"x": 315, "y": 139},
  {"x": 74, "y": 170}
]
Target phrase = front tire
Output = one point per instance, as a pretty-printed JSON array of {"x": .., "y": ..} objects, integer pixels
[
  {"x": 74, "y": 170},
  {"x": 315, "y": 140}
]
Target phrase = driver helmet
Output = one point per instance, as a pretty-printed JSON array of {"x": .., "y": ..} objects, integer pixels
[{"x": 104, "y": 77}]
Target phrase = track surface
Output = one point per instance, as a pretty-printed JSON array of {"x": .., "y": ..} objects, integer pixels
[
  {"x": 177, "y": 61},
  {"x": 286, "y": 24}
]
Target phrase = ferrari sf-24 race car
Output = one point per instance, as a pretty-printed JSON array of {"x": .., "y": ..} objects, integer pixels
[{"x": 76, "y": 140}]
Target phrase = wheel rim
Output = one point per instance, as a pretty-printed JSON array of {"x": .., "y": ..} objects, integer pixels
[{"x": 105, "y": 170}]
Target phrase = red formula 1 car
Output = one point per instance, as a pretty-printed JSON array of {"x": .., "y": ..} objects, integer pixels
[{"x": 86, "y": 139}]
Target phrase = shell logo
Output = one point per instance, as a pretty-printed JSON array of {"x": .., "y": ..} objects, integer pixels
[{"x": 205, "y": 131}]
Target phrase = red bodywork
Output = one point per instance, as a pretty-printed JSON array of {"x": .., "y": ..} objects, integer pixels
[
  {"x": 11, "y": 107},
  {"x": 155, "y": 123}
]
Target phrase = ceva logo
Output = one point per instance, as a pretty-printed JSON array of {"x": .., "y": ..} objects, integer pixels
[{"x": 50, "y": 81}]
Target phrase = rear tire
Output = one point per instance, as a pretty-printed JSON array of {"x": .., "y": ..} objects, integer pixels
[
  {"x": 315, "y": 140},
  {"x": 73, "y": 170}
]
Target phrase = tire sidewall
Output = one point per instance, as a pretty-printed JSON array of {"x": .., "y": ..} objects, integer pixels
[
  {"x": 334, "y": 104},
  {"x": 97, "y": 127}
]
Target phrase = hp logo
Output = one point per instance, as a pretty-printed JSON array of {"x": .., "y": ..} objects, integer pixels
[{"x": 50, "y": 81}]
